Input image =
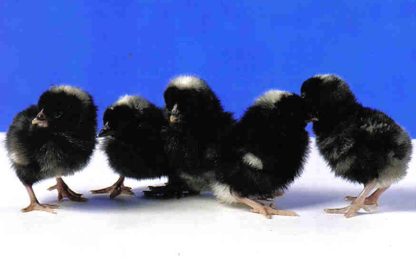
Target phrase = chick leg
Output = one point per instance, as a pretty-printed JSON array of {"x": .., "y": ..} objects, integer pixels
[
  {"x": 65, "y": 192},
  {"x": 356, "y": 204},
  {"x": 174, "y": 188},
  {"x": 371, "y": 202},
  {"x": 267, "y": 211},
  {"x": 35, "y": 205},
  {"x": 116, "y": 189}
]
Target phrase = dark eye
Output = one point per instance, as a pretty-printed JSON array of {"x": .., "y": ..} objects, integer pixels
[{"x": 58, "y": 114}]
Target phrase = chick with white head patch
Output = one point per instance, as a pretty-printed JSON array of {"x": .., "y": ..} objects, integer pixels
[
  {"x": 54, "y": 138},
  {"x": 193, "y": 139},
  {"x": 133, "y": 143},
  {"x": 360, "y": 144},
  {"x": 265, "y": 152}
]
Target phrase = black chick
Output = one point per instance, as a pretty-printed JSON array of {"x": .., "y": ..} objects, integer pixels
[
  {"x": 132, "y": 142},
  {"x": 53, "y": 139},
  {"x": 360, "y": 144},
  {"x": 267, "y": 150},
  {"x": 193, "y": 139}
]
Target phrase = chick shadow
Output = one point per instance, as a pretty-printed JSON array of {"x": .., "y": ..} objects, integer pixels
[
  {"x": 394, "y": 200},
  {"x": 398, "y": 200},
  {"x": 102, "y": 203},
  {"x": 298, "y": 199},
  {"x": 97, "y": 203}
]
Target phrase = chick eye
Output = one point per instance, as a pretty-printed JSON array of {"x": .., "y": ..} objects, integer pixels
[{"x": 58, "y": 114}]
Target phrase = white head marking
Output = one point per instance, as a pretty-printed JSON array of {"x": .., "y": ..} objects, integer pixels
[
  {"x": 134, "y": 102},
  {"x": 188, "y": 82},
  {"x": 327, "y": 77},
  {"x": 271, "y": 97},
  {"x": 71, "y": 90}
]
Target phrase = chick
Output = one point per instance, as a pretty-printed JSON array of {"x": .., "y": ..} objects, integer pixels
[
  {"x": 193, "y": 139},
  {"x": 360, "y": 144},
  {"x": 132, "y": 142},
  {"x": 267, "y": 150},
  {"x": 54, "y": 138}
]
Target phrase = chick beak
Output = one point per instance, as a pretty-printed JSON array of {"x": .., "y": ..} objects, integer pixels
[
  {"x": 40, "y": 120},
  {"x": 173, "y": 119},
  {"x": 105, "y": 131},
  {"x": 174, "y": 115},
  {"x": 312, "y": 118}
]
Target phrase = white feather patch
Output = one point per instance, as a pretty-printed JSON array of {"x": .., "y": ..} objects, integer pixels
[
  {"x": 376, "y": 127},
  {"x": 134, "y": 102},
  {"x": 271, "y": 97},
  {"x": 223, "y": 193},
  {"x": 18, "y": 158},
  {"x": 253, "y": 161},
  {"x": 328, "y": 77},
  {"x": 72, "y": 90},
  {"x": 188, "y": 82}
]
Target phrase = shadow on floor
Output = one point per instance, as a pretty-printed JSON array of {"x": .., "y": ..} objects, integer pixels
[
  {"x": 403, "y": 200},
  {"x": 394, "y": 200},
  {"x": 123, "y": 203},
  {"x": 297, "y": 199}
]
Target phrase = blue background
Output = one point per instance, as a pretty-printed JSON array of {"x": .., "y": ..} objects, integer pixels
[{"x": 241, "y": 48}]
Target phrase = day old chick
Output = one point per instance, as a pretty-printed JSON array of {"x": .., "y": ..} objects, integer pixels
[
  {"x": 54, "y": 138},
  {"x": 360, "y": 144},
  {"x": 132, "y": 142},
  {"x": 197, "y": 127},
  {"x": 267, "y": 150}
]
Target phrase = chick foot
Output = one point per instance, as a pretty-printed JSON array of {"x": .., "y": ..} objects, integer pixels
[
  {"x": 65, "y": 192},
  {"x": 351, "y": 210},
  {"x": 371, "y": 202},
  {"x": 267, "y": 211},
  {"x": 369, "y": 205},
  {"x": 41, "y": 207},
  {"x": 359, "y": 202},
  {"x": 169, "y": 191},
  {"x": 116, "y": 189},
  {"x": 35, "y": 205}
]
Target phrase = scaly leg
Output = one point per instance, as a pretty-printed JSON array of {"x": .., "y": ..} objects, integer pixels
[
  {"x": 35, "y": 205},
  {"x": 65, "y": 191},
  {"x": 371, "y": 202},
  {"x": 116, "y": 189},
  {"x": 267, "y": 211},
  {"x": 356, "y": 204}
]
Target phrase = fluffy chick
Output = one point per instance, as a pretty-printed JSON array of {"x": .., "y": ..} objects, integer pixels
[
  {"x": 197, "y": 127},
  {"x": 132, "y": 142},
  {"x": 268, "y": 148},
  {"x": 360, "y": 144},
  {"x": 54, "y": 138}
]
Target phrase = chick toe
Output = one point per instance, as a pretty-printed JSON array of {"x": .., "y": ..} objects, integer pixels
[{"x": 35, "y": 206}]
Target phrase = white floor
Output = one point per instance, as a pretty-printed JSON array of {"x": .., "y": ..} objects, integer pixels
[{"x": 200, "y": 227}]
